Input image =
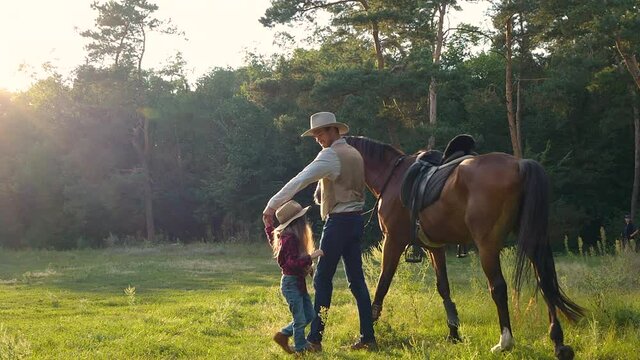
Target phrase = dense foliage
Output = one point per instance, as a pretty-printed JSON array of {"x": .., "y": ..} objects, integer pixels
[{"x": 73, "y": 172}]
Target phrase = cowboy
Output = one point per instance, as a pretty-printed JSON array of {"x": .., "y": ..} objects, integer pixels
[{"x": 339, "y": 171}]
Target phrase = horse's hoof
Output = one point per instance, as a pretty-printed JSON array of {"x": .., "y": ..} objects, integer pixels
[
  {"x": 499, "y": 348},
  {"x": 496, "y": 349},
  {"x": 453, "y": 336},
  {"x": 564, "y": 352},
  {"x": 376, "y": 310},
  {"x": 454, "y": 339},
  {"x": 506, "y": 342}
]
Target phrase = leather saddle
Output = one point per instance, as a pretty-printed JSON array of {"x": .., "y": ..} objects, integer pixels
[{"x": 424, "y": 180}]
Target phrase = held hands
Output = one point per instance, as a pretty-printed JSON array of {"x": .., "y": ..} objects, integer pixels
[
  {"x": 314, "y": 255},
  {"x": 309, "y": 270},
  {"x": 267, "y": 216}
]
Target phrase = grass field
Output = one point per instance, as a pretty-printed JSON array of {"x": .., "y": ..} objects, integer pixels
[{"x": 222, "y": 301}]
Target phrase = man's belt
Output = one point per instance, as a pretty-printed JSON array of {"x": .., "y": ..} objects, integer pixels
[{"x": 347, "y": 213}]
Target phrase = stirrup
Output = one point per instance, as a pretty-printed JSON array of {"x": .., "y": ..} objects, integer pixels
[{"x": 413, "y": 254}]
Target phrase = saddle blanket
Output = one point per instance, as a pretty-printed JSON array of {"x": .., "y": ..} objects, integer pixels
[{"x": 424, "y": 180}]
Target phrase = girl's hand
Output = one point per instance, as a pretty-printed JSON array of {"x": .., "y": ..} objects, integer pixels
[
  {"x": 309, "y": 270},
  {"x": 317, "y": 254}
]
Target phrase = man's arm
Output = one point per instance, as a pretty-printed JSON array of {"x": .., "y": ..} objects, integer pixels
[{"x": 325, "y": 165}]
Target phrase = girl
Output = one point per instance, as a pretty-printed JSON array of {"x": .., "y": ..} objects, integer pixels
[{"x": 292, "y": 243}]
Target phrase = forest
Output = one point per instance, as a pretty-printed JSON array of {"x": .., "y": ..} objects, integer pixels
[{"x": 117, "y": 153}]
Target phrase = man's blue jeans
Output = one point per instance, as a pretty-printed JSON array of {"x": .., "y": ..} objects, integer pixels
[
  {"x": 341, "y": 238},
  {"x": 301, "y": 309}
]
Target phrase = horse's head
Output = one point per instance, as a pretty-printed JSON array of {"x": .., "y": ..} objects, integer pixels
[
  {"x": 379, "y": 160},
  {"x": 373, "y": 150}
]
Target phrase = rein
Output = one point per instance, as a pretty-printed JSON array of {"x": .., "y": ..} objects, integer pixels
[{"x": 384, "y": 186}]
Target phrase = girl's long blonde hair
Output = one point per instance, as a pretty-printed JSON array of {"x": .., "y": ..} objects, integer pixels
[{"x": 301, "y": 229}]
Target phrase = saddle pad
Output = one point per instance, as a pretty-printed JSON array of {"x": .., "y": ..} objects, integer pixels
[
  {"x": 423, "y": 183},
  {"x": 422, "y": 186},
  {"x": 435, "y": 184}
]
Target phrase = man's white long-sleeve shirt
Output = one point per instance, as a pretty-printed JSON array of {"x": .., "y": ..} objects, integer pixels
[{"x": 325, "y": 165}]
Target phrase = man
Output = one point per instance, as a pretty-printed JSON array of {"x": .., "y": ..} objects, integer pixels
[
  {"x": 629, "y": 232},
  {"x": 339, "y": 170}
]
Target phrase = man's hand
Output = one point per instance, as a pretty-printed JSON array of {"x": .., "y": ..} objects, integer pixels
[
  {"x": 267, "y": 216},
  {"x": 317, "y": 254}
]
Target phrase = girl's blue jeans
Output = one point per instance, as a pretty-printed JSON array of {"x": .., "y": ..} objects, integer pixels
[{"x": 301, "y": 308}]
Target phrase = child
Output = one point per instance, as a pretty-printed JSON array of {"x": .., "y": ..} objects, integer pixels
[{"x": 292, "y": 243}]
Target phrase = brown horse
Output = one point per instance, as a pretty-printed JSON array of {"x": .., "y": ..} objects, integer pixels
[{"x": 485, "y": 198}]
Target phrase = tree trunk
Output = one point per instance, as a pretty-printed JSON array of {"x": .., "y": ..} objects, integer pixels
[
  {"x": 391, "y": 127},
  {"x": 142, "y": 147},
  {"x": 146, "y": 154},
  {"x": 629, "y": 60},
  {"x": 178, "y": 155},
  {"x": 393, "y": 133},
  {"x": 509, "y": 91},
  {"x": 375, "y": 31},
  {"x": 378, "y": 46},
  {"x": 433, "y": 85},
  {"x": 148, "y": 193},
  {"x": 120, "y": 45},
  {"x": 636, "y": 172},
  {"x": 518, "y": 117}
]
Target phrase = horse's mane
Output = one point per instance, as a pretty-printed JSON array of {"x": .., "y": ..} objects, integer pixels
[{"x": 371, "y": 148}]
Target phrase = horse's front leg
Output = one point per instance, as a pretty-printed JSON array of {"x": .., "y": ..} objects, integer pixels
[
  {"x": 391, "y": 253},
  {"x": 439, "y": 262}
]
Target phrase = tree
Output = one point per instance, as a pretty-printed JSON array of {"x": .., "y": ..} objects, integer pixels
[
  {"x": 611, "y": 27},
  {"x": 355, "y": 13},
  {"x": 612, "y": 24},
  {"x": 121, "y": 34},
  {"x": 359, "y": 16},
  {"x": 636, "y": 173},
  {"x": 441, "y": 11},
  {"x": 505, "y": 12}
]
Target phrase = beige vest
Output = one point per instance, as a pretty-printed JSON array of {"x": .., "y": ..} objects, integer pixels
[{"x": 349, "y": 186}]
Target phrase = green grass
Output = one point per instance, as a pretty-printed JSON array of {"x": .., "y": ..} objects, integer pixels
[{"x": 222, "y": 301}]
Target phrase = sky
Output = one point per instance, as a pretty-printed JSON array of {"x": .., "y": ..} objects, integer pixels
[{"x": 218, "y": 33}]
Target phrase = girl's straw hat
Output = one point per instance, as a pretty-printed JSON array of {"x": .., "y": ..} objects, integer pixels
[{"x": 288, "y": 212}]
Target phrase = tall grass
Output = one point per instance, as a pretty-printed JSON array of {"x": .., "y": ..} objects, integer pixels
[{"x": 13, "y": 346}]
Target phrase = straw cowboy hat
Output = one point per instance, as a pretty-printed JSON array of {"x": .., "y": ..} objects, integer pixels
[
  {"x": 325, "y": 119},
  {"x": 288, "y": 212}
]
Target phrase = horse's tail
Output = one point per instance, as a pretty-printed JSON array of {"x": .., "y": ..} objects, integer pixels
[{"x": 533, "y": 239}]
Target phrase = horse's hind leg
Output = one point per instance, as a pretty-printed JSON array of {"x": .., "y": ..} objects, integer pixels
[
  {"x": 391, "y": 252},
  {"x": 562, "y": 351},
  {"x": 439, "y": 262},
  {"x": 490, "y": 260}
]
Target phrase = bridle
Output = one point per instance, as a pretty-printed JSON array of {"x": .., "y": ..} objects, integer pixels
[{"x": 384, "y": 186}]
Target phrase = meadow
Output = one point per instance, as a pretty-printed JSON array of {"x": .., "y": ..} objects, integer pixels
[{"x": 222, "y": 301}]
